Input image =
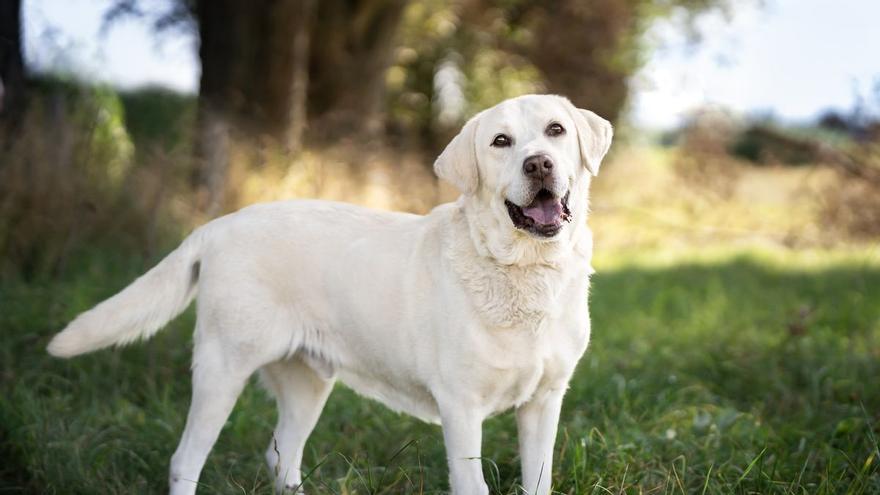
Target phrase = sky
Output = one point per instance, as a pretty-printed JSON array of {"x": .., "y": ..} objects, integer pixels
[
  {"x": 67, "y": 35},
  {"x": 788, "y": 58},
  {"x": 792, "y": 59}
]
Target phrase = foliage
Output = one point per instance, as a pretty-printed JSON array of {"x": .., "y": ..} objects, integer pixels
[
  {"x": 497, "y": 49},
  {"x": 450, "y": 58},
  {"x": 158, "y": 117},
  {"x": 448, "y": 68},
  {"x": 68, "y": 179},
  {"x": 164, "y": 15}
]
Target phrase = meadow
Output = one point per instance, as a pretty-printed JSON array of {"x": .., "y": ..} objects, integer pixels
[
  {"x": 735, "y": 348},
  {"x": 732, "y": 372}
]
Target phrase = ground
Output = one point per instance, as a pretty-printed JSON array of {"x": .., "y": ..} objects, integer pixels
[{"x": 740, "y": 370}]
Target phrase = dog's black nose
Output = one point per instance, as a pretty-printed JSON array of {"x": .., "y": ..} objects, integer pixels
[{"x": 537, "y": 166}]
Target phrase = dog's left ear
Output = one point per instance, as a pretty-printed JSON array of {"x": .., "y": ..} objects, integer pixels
[
  {"x": 594, "y": 137},
  {"x": 458, "y": 162}
]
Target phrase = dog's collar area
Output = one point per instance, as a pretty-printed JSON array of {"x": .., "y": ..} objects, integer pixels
[{"x": 544, "y": 216}]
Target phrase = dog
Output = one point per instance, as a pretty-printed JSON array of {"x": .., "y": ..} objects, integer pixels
[{"x": 478, "y": 307}]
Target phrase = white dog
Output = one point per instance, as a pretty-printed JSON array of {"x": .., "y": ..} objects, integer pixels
[{"x": 475, "y": 308}]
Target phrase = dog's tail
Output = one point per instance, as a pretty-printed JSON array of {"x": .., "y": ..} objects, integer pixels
[{"x": 141, "y": 309}]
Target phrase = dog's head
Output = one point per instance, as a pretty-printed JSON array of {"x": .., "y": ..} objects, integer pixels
[{"x": 527, "y": 161}]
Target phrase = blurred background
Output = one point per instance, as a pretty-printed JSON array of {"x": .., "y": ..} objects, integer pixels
[
  {"x": 737, "y": 219},
  {"x": 747, "y": 121}
]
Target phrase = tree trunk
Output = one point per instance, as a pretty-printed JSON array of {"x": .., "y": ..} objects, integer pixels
[
  {"x": 252, "y": 87},
  {"x": 12, "y": 75},
  {"x": 299, "y": 85},
  {"x": 586, "y": 51},
  {"x": 215, "y": 105},
  {"x": 267, "y": 65},
  {"x": 352, "y": 46}
]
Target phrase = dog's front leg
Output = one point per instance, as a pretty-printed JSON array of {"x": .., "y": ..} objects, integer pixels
[
  {"x": 462, "y": 433},
  {"x": 536, "y": 421}
]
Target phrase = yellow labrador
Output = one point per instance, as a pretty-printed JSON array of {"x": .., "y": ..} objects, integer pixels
[{"x": 475, "y": 308}]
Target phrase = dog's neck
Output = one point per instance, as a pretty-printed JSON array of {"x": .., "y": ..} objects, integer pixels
[{"x": 514, "y": 281}]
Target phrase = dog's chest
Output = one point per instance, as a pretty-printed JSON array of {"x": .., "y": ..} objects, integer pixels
[
  {"x": 516, "y": 364},
  {"x": 512, "y": 296},
  {"x": 529, "y": 327}
]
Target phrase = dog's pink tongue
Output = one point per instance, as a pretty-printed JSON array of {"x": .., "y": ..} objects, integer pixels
[{"x": 544, "y": 211}]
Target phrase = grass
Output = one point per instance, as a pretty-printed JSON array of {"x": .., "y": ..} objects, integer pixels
[
  {"x": 730, "y": 372},
  {"x": 716, "y": 366}
]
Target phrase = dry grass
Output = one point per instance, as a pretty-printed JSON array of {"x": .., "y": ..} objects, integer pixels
[
  {"x": 376, "y": 178},
  {"x": 643, "y": 199},
  {"x": 52, "y": 195},
  {"x": 70, "y": 180}
]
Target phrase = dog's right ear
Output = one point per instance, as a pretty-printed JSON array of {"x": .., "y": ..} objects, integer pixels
[{"x": 458, "y": 162}]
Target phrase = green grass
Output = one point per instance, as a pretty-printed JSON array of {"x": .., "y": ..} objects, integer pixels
[{"x": 737, "y": 373}]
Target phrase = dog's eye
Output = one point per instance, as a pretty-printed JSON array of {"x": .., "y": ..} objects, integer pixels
[
  {"x": 555, "y": 129},
  {"x": 502, "y": 141}
]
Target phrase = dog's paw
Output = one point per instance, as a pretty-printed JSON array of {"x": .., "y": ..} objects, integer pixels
[{"x": 292, "y": 489}]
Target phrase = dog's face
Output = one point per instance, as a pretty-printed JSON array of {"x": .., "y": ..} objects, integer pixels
[{"x": 528, "y": 159}]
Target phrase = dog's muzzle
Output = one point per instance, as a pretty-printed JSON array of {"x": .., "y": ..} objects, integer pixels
[{"x": 544, "y": 216}]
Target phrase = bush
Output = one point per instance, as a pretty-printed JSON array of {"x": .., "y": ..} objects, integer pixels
[{"x": 67, "y": 179}]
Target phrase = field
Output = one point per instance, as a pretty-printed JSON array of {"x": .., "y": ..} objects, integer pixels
[
  {"x": 744, "y": 371},
  {"x": 736, "y": 341}
]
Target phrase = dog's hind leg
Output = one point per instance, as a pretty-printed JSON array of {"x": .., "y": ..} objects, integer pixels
[
  {"x": 220, "y": 372},
  {"x": 301, "y": 394}
]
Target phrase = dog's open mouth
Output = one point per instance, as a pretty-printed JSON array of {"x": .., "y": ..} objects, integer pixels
[{"x": 544, "y": 216}]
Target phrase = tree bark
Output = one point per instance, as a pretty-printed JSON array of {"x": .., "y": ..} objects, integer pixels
[
  {"x": 271, "y": 66},
  {"x": 299, "y": 85},
  {"x": 248, "y": 55},
  {"x": 12, "y": 70},
  {"x": 352, "y": 47},
  {"x": 215, "y": 105},
  {"x": 582, "y": 50},
  {"x": 252, "y": 87}
]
